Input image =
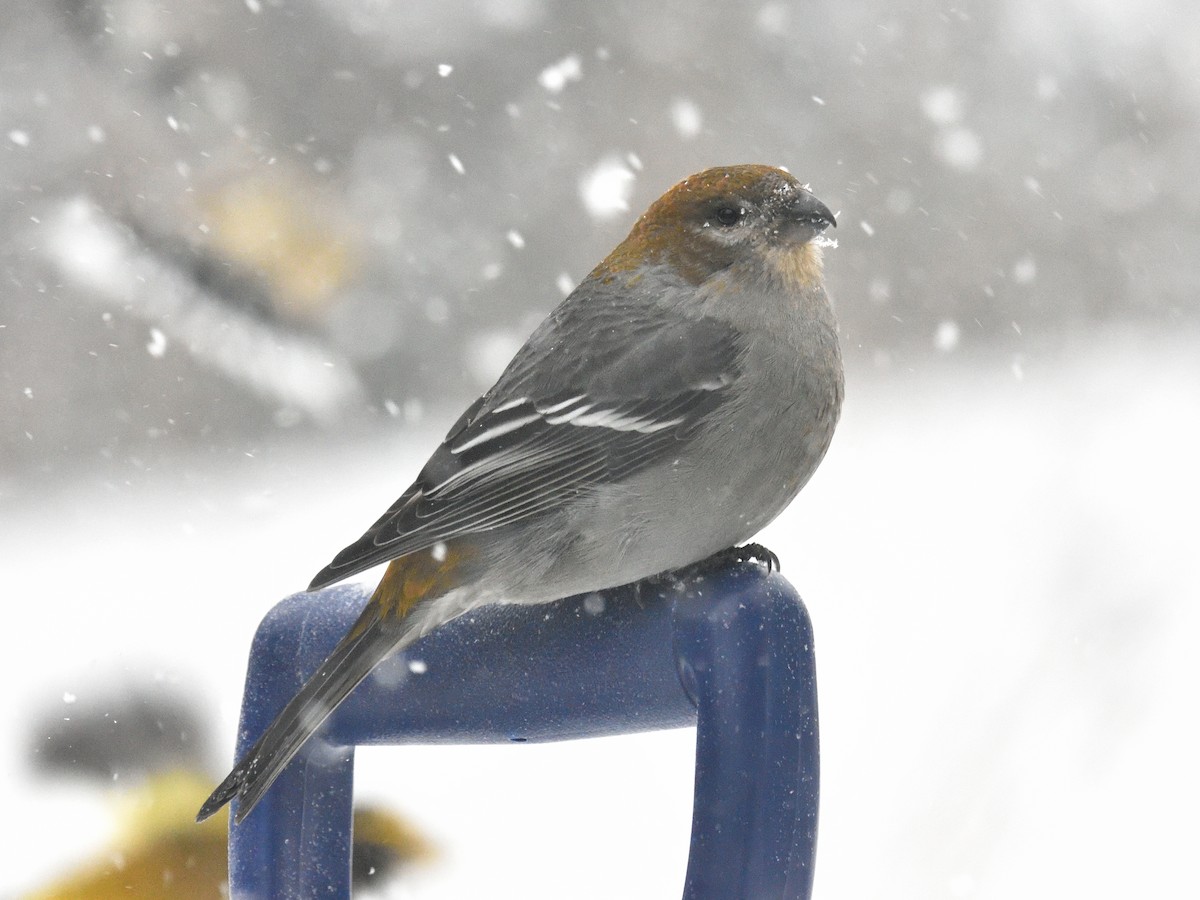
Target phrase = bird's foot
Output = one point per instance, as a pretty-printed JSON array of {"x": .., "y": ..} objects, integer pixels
[
  {"x": 733, "y": 555},
  {"x": 723, "y": 559}
]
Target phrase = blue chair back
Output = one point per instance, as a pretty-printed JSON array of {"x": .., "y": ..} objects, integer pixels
[{"x": 729, "y": 652}]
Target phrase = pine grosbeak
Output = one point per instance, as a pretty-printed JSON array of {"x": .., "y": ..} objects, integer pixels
[{"x": 668, "y": 409}]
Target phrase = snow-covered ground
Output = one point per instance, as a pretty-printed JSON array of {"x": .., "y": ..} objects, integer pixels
[{"x": 1003, "y": 573}]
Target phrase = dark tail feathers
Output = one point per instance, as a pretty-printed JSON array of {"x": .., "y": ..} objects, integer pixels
[{"x": 371, "y": 640}]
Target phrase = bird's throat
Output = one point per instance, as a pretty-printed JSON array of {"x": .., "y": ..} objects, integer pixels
[{"x": 799, "y": 267}]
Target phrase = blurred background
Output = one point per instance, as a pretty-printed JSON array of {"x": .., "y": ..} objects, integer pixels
[{"x": 258, "y": 254}]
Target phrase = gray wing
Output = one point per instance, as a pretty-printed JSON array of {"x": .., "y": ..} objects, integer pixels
[{"x": 591, "y": 399}]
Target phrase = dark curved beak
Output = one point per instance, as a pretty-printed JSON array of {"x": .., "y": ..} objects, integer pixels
[{"x": 808, "y": 210}]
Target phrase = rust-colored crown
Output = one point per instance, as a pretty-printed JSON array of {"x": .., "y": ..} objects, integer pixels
[{"x": 666, "y": 228}]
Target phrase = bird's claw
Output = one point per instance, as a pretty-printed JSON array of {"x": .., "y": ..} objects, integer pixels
[
  {"x": 743, "y": 554},
  {"x": 756, "y": 553}
]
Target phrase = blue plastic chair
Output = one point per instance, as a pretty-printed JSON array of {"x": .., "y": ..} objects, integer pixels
[{"x": 730, "y": 652}]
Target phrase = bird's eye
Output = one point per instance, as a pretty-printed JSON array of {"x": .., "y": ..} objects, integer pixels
[{"x": 728, "y": 215}]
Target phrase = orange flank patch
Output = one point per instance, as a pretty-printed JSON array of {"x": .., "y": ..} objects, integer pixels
[{"x": 426, "y": 573}]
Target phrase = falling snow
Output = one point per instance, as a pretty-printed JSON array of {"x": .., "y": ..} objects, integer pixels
[
  {"x": 687, "y": 118},
  {"x": 954, "y": 144},
  {"x": 960, "y": 148},
  {"x": 488, "y": 353},
  {"x": 593, "y": 604},
  {"x": 773, "y": 18},
  {"x": 942, "y": 105},
  {"x": 158, "y": 343},
  {"x": 606, "y": 188},
  {"x": 946, "y": 336},
  {"x": 1024, "y": 270},
  {"x": 556, "y": 77}
]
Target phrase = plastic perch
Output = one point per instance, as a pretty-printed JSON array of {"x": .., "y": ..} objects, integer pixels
[{"x": 729, "y": 652}]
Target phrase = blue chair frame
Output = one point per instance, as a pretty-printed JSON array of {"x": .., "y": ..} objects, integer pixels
[{"x": 730, "y": 652}]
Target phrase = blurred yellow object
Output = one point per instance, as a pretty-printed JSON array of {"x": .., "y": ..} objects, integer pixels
[
  {"x": 278, "y": 227},
  {"x": 162, "y": 854}
]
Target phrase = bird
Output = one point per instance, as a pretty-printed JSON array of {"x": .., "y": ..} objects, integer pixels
[{"x": 667, "y": 409}]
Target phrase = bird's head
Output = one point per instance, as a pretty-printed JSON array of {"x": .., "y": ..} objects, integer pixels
[{"x": 751, "y": 215}]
